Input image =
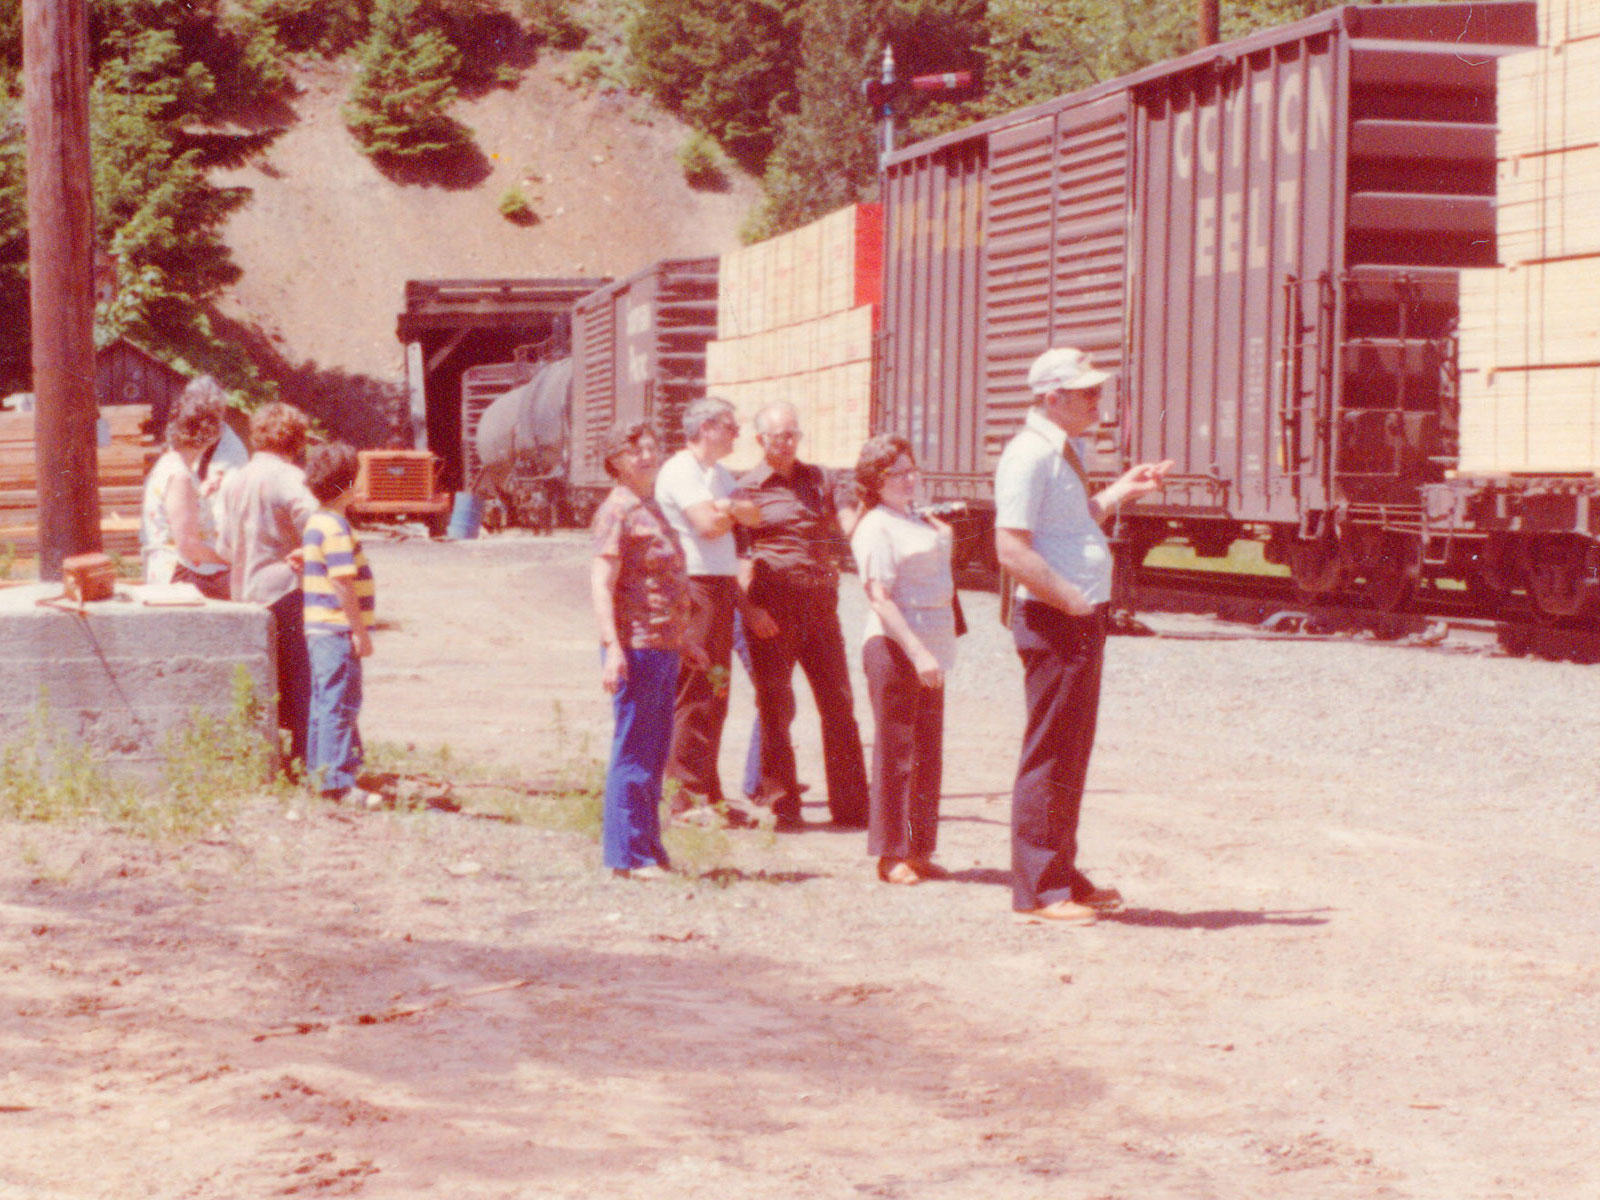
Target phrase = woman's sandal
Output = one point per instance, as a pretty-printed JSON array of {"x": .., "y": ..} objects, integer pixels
[{"x": 895, "y": 870}]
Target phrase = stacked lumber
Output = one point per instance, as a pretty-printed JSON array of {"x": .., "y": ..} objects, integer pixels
[
  {"x": 1562, "y": 21},
  {"x": 1530, "y": 340},
  {"x": 795, "y": 321},
  {"x": 124, "y": 458}
]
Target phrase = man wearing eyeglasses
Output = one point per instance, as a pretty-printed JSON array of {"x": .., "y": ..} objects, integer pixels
[
  {"x": 791, "y": 582},
  {"x": 695, "y": 492},
  {"x": 1049, "y": 540}
]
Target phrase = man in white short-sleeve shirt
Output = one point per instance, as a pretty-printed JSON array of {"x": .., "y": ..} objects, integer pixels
[
  {"x": 695, "y": 490},
  {"x": 1048, "y": 539}
]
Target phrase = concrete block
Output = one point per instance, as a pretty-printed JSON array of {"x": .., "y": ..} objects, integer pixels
[{"x": 121, "y": 676}]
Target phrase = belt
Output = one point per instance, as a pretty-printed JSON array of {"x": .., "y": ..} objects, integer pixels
[{"x": 803, "y": 580}]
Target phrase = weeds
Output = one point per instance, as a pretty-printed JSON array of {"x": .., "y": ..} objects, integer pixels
[
  {"x": 516, "y": 207},
  {"x": 563, "y": 799},
  {"x": 702, "y": 163},
  {"x": 211, "y": 764},
  {"x": 46, "y": 777}
]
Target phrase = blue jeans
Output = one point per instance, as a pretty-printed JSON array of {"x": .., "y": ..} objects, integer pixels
[
  {"x": 630, "y": 823},
  {"x": 752, "y": 757},
  {"x": 333, "y": 743}
]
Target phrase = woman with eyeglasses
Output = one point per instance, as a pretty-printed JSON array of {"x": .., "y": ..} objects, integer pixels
[
  {"x": 640, "y": 590},
  {"x": 909, "y": 647}
]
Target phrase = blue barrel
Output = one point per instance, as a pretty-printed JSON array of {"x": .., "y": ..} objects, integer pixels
[{"x": 466, "y": 517}]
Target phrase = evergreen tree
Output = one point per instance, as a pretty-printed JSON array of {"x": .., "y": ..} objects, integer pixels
[
  {"x": 155, "y": 210},
  {"x": 827, "y": 150},
  {"x": 826, "y": 156},
  {"x": 326, "y": 27},
  {"x": 399, "y": 107},
  {"x": 14, "y": 319},
  {"x": 727, "y": 67}
]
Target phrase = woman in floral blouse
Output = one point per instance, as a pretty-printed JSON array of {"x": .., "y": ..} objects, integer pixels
[{"x": 641, "y": 602}]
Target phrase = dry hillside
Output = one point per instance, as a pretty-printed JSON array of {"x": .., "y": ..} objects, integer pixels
[{"x": 327, "y": 241}]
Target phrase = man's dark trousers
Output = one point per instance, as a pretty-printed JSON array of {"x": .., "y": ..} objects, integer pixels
[
  {"x": 808, "y": 634},
  {"x": 701, "y": 706},
  {"x": 1061, "y": 662}
]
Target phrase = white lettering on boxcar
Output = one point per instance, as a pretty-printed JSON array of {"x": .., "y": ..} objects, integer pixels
[{"x": 1293, "y": 118}]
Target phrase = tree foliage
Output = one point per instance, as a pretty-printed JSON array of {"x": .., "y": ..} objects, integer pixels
[
  {"x": 826, "y": 154},
  {"x": 155, "y": 210},
  {"x": 727, "y": 67},
  {"x": 399, "y": 108}
]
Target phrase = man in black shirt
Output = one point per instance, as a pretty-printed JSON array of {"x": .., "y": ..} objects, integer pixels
[{"x": 787, "y": 569}]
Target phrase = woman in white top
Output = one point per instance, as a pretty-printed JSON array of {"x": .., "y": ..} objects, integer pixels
[
  {"x": 909, "y": 646},
  {"x": 178, "y": 530}
]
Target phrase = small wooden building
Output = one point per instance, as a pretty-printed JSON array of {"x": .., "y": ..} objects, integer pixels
[{"x": 126, "y": 373}]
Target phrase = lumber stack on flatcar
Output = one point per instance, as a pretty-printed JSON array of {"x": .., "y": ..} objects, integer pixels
[
  {"x": 1562, "y": 21},
  {"x": 1530, "y": 347},
  {"x": 796, "y": 316}
]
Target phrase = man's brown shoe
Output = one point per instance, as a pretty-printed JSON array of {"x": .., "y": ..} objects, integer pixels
[{"x": 1062, "y": 912}]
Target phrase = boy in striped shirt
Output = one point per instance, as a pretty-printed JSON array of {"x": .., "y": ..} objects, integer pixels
[{"x": 339, "y": 612}]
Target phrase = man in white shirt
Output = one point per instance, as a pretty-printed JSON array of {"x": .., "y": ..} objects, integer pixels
[
  {"x": 1048, "y": 539},
  {"x": 696, "y": 493}
]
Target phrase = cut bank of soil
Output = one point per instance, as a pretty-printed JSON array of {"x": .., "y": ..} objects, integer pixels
[{"x": 1358, "y": 958}]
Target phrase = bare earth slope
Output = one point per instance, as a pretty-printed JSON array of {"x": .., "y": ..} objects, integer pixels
[{"x": 327, "y": 242}]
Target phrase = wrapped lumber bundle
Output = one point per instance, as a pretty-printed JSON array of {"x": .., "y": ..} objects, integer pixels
[
  {"x": 795, "y": 322},
  {"x": 1562, "y": 21},
  {"x": 1530, "y": 347},
  {"x": 124, "y": 457}
]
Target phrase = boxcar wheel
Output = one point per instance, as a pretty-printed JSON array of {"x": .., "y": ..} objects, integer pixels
[{"x": 1318, "y": 567}]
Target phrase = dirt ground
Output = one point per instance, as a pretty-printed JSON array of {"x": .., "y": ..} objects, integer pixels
[{"x": 1360, "y": 957}]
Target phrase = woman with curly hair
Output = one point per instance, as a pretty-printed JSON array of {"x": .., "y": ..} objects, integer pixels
[
  {"x": 178, "y": 528},
  {"x": 909, "y": 647}
]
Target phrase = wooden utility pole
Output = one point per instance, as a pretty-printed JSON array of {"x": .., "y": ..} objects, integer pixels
[
  {"x": 55, "y": 56},
  {"x": 1210, "y": 22}
]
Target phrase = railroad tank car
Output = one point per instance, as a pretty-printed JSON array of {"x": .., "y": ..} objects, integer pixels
[{"x": 1264, "y": 238}]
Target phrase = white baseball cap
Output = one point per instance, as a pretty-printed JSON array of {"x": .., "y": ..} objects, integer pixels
[{"x": 1063, "y": 368}]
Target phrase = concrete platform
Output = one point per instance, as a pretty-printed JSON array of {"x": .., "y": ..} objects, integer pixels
[{"x": 119, "y": 676}]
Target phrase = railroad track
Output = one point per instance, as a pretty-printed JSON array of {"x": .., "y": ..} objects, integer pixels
[{"x": 1276, "y": 607}]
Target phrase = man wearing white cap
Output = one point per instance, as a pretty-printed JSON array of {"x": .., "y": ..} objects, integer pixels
[{"x": 1049, "y": 541}]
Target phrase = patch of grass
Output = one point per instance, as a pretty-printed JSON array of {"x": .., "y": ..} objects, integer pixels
[
  {"x": 700, "y": 159},
  {"x": 564, "y": 799},
  {"x": 1244, "y": 558},
  {"x": 47, "y": 777},
  {"x": 516, "y": 207},
  {"x": 212, "y": 765}
]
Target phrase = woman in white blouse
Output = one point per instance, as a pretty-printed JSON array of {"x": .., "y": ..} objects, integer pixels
[
  {"x": 908, "y": 648},
  {"x": 178, "y": 528}
]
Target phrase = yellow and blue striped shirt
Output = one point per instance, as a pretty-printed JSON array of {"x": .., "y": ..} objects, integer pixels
[{"x": 333, "y": 552}]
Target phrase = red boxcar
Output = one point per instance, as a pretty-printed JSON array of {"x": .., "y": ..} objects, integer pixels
[{"x": 1262, "y": 237}]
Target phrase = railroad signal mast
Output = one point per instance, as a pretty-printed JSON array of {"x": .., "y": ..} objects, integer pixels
[{"x": 881, "y": 94}]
